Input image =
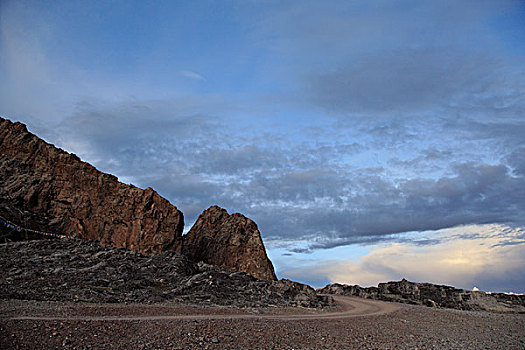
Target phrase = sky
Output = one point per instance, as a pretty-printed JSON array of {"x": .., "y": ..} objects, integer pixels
[{"x": 369, "y": 140}]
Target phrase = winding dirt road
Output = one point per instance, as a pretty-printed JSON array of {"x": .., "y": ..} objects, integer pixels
[
  {"x": 348, "y": 307},
  {"x": 354, "y": 324}
]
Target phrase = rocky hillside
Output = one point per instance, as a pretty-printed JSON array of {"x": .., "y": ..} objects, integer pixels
[
  {"x": 432, "y": 295},
  {"x": 44, "y": 188},
  {"x": 76, "y": 270},
  {"x": 47, "y": 189},
  {"x": 230, "y": 241}
]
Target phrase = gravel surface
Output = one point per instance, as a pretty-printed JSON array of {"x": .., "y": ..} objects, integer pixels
[
  {"x": 409, "y": 327},
  {"x": 55, "y": 279}
]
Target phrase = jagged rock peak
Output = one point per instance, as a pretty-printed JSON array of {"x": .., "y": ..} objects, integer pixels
[
  {"x": 45, "y": 188},
  {"x": 231, "y": 241}
]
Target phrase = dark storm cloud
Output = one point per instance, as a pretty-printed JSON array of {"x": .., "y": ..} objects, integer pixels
[{"x": 476, "y": 194}]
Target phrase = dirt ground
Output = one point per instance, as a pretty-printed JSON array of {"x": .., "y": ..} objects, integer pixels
[{"x": 354, "y": 324}]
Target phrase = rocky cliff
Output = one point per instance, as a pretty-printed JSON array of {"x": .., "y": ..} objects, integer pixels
[
  {"x": 432, "y": 295},
  {"x": 47, "y": 189},
  {"x": 231, "y": 241}
]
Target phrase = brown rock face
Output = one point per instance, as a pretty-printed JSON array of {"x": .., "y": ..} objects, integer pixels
[
  {"x": 47, "y": 189},
  {"x": 231, "y": 241}
]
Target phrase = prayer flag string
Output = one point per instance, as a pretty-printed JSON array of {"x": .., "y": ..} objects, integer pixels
[{"x": 12, "y": 226}]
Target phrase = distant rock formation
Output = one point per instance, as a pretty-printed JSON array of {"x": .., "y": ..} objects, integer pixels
[
  {"x": 47, "y": 189},
  {"x": 231, "y": 241},
  {"x": 432, "y": 295}
]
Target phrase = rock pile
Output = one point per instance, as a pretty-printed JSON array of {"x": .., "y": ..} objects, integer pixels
[
  {"x": 75, "y": 270},
  {"x": 432, "y": 295}
]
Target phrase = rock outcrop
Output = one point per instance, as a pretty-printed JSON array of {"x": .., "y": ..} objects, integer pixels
[
  {"x": 432, "y": 295},
  {"x": 76, "y": 270},
  {"x": 231, "y": 241},
  {"x": 47, "y": 189}
]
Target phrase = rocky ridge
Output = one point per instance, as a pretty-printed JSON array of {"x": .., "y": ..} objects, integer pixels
[
  {"x": 76, "y": 270},
  {"x": 231, "y": 241},
  {"x": 47, "y": 189},
  {"x": 432, "y": 295}
]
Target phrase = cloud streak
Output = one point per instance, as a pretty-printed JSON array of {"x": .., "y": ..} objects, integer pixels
[{"x": 192, "y": 75}]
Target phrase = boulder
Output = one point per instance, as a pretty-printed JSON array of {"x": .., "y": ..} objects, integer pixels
[{"x": 230, "y": 241}]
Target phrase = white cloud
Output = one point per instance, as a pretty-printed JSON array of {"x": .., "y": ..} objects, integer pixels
[
  {"x": 490, "y": 257},
  {"x": 192, "y": 75}
]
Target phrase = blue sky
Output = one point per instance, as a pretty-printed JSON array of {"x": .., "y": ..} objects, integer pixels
[{"x": 349, "y": 131}]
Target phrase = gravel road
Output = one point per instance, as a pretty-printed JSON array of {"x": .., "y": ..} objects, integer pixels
[
  {"x": 354, "y": 324},
  {"x": 348, "y": 307}
]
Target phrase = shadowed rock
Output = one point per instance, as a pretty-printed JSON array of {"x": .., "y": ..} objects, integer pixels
[
  {"x": 231, "y": 241},
  {"x": 47, "y": 189},
  {"x": 76, "y": 270}
]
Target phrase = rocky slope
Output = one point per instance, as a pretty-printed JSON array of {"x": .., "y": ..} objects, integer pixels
[
  {"x": 75, "y": 270},
  {"x": 47, "y": 189},
  {"x": 231, "y": 241},
  {"x": 432, "y": 295}
]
